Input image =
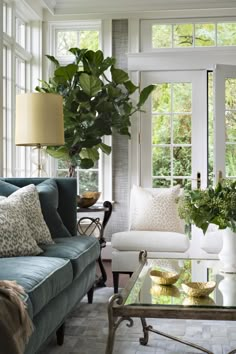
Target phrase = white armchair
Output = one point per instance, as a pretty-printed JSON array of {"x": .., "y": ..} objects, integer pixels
[{"x": 154, "y": 226}]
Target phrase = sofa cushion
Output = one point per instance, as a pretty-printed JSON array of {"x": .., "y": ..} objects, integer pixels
[
  {"x": 81, "y": 250},
  {"x": 43, "y": 278},
  {"x": 49, "y": 200},
  {"x": 15, "y": 234},
  {"x": 155, "y": 209},
  {"x": 34, "y": 217},
  {"x": 151, "y": 241}
]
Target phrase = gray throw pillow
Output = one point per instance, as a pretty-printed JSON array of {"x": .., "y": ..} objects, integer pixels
[
  {"x": 34, "y": 217},
  {"x": 15, "y": 234},
  {"x": 49, "y": 201}
]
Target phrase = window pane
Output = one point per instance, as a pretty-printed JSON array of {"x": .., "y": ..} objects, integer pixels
[
  {"x": 65, "y": 41},
  {"x": 161, "y": 161},
  {"x": 230, "y": 161},
  {"x": 62, "y": 164},
  {"x": 161, "y": 129},
  {"x": 20, "y": 76},
  {"x": 183, "y": 35},
  {"x": 230, "y": 126},
  {"x": 161, "y": 36},
  {"x": 161, "y": 98},
  {"x": 4, "y": 25},
  {"x": 226, "y": 34},
  {"x": 182, "y": 161},
  {"x": 20, "y": 32},
  {"x": 183, "y": 182},
  {"x": 156, "y": 183},
  {"x": 88, "y": 181},
  {"x": 182, "y": 97},
  {"x": 182, "y": 129},
  {"x": 205, "y": 34},
  {"x": 230, "y": 97},
  {"x": 89, "y": 39},
  {"x": 63, "y": 173}
]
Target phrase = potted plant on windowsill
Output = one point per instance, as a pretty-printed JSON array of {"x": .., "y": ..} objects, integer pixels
[
  {"x": 215, "y": 205},
  {"x": 97, "y": 100}
]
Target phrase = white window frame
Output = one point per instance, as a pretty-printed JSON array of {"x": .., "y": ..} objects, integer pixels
[
  {"x": 162, "y": 60},
  {"x": 11, "y": 163},
  {"x": 198, "y": 143},
  {"x": 105, "y": 29},
  {"x": 146, "y": 32}
]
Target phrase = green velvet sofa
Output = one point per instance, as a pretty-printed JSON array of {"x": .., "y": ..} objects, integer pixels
[{"x": 57, "y": 279}]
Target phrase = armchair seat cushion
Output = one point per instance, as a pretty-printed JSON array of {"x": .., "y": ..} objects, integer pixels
[
  {"x": 151, "y": 241},
  {"x": 80, "y": 250}
]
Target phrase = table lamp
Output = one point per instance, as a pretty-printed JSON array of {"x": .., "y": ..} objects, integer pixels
[{"x": 39, "y": 123}]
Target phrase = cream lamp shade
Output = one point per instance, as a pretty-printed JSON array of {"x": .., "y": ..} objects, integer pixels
[{"x": 39, "y": 119}]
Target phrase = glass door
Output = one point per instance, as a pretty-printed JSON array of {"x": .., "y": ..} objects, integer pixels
[
  {"x": 225, "y": 121},
  {"x": 173, "y": 133}
]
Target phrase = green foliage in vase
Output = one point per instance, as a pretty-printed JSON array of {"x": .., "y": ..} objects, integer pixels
[
  {"x": 94, "y": 105},
  {"x": 215, "y": 205}
]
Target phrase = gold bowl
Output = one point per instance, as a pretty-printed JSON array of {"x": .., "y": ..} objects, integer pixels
[
  {"x": 203, "y": 300},
  {"x": 198, "y": 289},
  {"x": 163, "y": 278},
  {"x": 87, "y": 199},
  {"x": 165, "y": 290}
]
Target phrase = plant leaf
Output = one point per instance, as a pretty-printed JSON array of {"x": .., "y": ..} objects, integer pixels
[
  {"x": 90, "y": 84},
  {"x": 66, "y": 72},
  {"x": 119, "y": 76},
  {"x": 144, "y": 94},
  {"x": 89, "y": 153},
  {"x": 53, "y": 60},
  {"x": 105, "y": 148},
  {"x": 58, "y": 153},
  {"x": 130, "y": 86},
  {"x": 86, "y": 163}
]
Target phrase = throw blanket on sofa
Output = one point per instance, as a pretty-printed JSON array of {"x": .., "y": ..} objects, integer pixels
[{"x": 15, "y": 324}]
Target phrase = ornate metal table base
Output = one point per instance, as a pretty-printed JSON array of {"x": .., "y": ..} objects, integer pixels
[
  {"x": 114, "y": 323},
  {"x": 95, "y": 224}
]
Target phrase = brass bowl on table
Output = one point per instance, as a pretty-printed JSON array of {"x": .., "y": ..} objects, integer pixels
[
  {"x": 198, "y": 289},
  {"x": 203, "y": 300},
  {"x": 164, "y": 290},
  {"x": 87, "y": 199},
  {"x": 163, "y": 278}
]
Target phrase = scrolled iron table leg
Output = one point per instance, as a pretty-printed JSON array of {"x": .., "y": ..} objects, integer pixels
[{"x": 144, "y": 339}]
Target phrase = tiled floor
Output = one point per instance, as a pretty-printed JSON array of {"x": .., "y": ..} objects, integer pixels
[{"x": 87, "y": 329}]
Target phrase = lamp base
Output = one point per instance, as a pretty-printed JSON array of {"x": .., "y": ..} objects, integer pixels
[
  {"x": 39, "y": 173},
  {"x": 38, "y": 158}
]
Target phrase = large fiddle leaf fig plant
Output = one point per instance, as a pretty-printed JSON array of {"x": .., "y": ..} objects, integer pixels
[{"x": 97, "y": 101}]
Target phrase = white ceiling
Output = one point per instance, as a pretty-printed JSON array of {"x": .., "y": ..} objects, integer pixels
[{"x": 129, "y": 6}]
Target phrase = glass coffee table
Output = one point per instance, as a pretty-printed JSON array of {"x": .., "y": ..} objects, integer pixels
[{"x": 144, "y": 298}]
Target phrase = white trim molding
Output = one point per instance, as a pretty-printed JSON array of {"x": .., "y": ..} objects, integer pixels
[{"x": 181, "y": 59}]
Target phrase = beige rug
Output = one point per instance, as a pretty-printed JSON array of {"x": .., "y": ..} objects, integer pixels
[{"x": 87, "y": 328}]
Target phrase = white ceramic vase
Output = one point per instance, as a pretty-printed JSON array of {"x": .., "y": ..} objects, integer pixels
[
  {"x": 227, "y": 254},
  {"x": 227, "y": 287}
]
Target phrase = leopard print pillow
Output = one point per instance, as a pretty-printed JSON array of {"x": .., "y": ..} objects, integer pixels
[
  {"x": 155, "y": 209},
  {"x": 31, "y": 204},
  {"x": 15, "y": 235}
]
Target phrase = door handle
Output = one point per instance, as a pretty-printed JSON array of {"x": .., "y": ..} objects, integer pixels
[
  {"x": 220, "y": 176},
  {"x": 198, "y": 180}
]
